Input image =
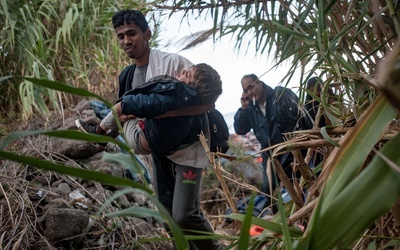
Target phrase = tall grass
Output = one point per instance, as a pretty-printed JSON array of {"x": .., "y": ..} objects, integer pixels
[
  {"x": 344, "y": 42},
  {"x": 66, "y": 41}
]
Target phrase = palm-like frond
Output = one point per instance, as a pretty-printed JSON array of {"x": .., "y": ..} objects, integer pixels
[{"x": 344, "y": 43}]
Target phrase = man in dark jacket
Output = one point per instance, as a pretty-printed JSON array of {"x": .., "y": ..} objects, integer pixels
[{"x": 269, "y": 113}]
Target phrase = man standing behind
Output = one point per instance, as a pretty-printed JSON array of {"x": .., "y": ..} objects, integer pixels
[
  {"x": 134, "y": 34},
  {"x": 269, "y": 117}
]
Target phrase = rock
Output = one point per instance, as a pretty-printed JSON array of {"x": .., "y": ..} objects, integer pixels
[
  {"x": 57, "y": 182},
  {"x": 107, "y": 168},
  {"x": 139, "y": 198},
  {"x": 73, "y": 148},
  {"x": 123, "y": 201},
  {"x": 82, "y": 106},
  {"x": 64, "y": 188},
  {"x": 64, "y": 224},
  {"x": 57, "y": 203},
  {"x": 250, "y": 171}
]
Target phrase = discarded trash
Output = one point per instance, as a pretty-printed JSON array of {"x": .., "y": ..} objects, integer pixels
[
  {"x": 78, "y": 198},
  {"x": 40, "y": 193},
  {"x": 255, "y": 230}
]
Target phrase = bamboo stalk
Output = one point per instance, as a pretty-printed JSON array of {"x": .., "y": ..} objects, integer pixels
[
  {"x": 217, "y": 169},
  {"x": 288, "y": 185}
]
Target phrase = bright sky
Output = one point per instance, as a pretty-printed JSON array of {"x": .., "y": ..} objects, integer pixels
[{"x": 223, "y": 58}]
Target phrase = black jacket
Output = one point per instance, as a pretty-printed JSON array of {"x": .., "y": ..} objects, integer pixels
[
  {"x": 125, "y": 79},
  {"x": 282, "y": 116},
  {"x": 161, "y": 94}
]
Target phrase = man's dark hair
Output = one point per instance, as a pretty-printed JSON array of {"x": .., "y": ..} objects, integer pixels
[
  {"x": 136, "y": 17},
  {"x": 312, "y": 81},
  {"x": 207, "y": 83},
  {"x": 252, "y": 76}
]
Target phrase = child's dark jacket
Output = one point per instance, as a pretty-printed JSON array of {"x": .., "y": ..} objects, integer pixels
[{"x": 157, "y": 96}]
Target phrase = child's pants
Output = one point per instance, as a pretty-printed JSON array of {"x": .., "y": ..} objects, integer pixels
[{"x": 132, "y": 129}]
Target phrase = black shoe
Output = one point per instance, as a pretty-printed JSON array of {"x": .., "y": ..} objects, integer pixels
[
  {"x": 90, "y": 129},
  {"x": 86, "y": 127}
]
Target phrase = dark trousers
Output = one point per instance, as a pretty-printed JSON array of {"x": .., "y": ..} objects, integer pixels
[
  {"x": 269, "y": 184},
  {"x": 178, "y": 188}
]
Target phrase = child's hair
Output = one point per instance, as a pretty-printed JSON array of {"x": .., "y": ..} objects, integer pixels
[
  {"x": 136, "y": 17},
  {"x": 207, "y": 83}
]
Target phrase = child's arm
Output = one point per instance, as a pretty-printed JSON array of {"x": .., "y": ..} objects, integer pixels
[{"x": 157, "y": 98}]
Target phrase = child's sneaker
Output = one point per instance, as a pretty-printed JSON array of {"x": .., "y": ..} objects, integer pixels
[{"x": 88, "y": 127}]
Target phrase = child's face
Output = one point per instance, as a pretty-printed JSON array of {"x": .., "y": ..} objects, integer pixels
[{"x": 187, "y": 75}]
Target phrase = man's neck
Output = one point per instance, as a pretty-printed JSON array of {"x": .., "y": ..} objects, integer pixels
[
  {"x": 144, "y": 59},
  {"x": 263, "y": 97}
]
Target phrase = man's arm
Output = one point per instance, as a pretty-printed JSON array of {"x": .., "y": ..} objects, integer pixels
[
  {"x": 187, "y": 111},
  {"x": 242, "y": 123}
]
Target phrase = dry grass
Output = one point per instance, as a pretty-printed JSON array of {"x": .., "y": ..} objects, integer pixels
[
  {"x": 386, "y": 230},
  {"x": 22, "y": 210},
  {"x": 26, "y": 194}
]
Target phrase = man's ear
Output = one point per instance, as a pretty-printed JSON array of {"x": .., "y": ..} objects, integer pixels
[{"x": 147, "y": 34}]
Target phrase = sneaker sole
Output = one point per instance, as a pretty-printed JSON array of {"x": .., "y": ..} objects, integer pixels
[{"x": 79, "y": 126}]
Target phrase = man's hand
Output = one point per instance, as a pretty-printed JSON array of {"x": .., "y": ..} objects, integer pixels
[
  {"x": 245, "y": 100},
  {"x": 124, "y": 118},
  {"x": 190, "y": 110},
  {"x": 121, "y": 117}
]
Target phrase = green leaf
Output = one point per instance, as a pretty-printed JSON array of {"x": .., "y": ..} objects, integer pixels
[
  {"x": 335, "y": 214},
  {"x": 65, "y": 88},
  {"x": 269, "y": 225},
  {"x": 126, "y": 161},
  {"x": 77, "y": 172},
  {"x": 139, "y": 212},
  {"x": 66, "y": 134},
  {"x": 328, "y": 138},
  {"x": 355, "y": 147},
  {"x": 361, "y": 202},
  {"x": 245, "y": 231}
]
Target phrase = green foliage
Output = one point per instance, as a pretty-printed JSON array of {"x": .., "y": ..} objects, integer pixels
[
  {"x": 336, "y": 40},
  {"x": 66, "y": 41},
  {"x": 342, "y": 41}
]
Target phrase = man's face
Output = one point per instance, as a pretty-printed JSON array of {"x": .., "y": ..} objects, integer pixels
[
  {"x": 317, "y": 92},
  {"x": 252, "y": 89},
  {"x": 133, "y": 40},
  {"x": 187, "y": 75}
]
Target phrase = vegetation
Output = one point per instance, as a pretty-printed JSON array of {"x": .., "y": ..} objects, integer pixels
[
  {"x": 351, "y": 45},
  {"x": 66, "y": 41}
]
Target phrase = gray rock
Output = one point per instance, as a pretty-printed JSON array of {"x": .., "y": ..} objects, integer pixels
[
  {"x": 73, "y": 148},
  {"x": 64, "y": 188},
  {"x": 63, "y": 224},
  {"x": 107, "y": 168},
  {"x": 138, "y": 198}
]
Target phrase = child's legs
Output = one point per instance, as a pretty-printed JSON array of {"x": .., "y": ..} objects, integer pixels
[{"x": 135, "y": 137}]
